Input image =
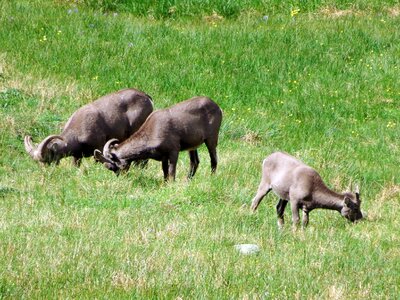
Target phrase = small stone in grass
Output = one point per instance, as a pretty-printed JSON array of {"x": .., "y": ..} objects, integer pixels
[{"x": 247, "y": 249}]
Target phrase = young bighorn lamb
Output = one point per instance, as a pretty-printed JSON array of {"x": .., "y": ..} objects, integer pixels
[
  {"x": 116, "y": 115},
  {"x": 184, "y": 126},
  {"x": 292, "y": 180}
]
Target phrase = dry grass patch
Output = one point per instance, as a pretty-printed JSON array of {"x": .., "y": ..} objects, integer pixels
[
  {"x": 390, "y": 194},
  {"x": 386, "y": 101},
  {"x": 122, "y": 280},
  {"x": 44, "y": 88},
  {"x": 251, "y": 138},
  {"x": 213, "y": 18},
  {"x": 394, "y": 11},
  {"x": 334, "y": 13},
  {"x": 336, "y": 292}
]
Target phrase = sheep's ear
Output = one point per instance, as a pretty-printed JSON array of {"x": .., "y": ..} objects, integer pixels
[
  {"x": 346, "y": 201},
  {"x": 57, "y": 145},
  {"x": 357, "y": 192}
]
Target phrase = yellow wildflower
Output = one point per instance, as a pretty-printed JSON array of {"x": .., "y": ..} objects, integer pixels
[
  {"x": 391, "y": 124},
  {"x": 294, "y": 12}
]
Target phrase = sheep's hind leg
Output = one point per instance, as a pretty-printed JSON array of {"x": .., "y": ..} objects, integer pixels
[
  {"x": 194, "y": 163},
  {"x": 212, "y": 150},
  {"x": 263, "y": 189},
  {"x": 280, "y": 210}
]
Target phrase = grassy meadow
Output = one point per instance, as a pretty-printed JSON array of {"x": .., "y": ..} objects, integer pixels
[{"x": 317, "y": 79}]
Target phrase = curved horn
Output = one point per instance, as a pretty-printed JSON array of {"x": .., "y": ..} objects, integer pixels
[
  {"x": 42, "y": 147},
  {"x": 98, "y": 156},
  {"x": 29, "y": 147},
  {"x": 106, "y": 149}
]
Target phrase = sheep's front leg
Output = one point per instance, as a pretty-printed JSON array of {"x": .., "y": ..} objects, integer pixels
[
  {"x": 305, "y": 217},
  {"x": 172, "y": 160},
  {"x": 165, "y": 168},
  {"x": 141, "y": 163},
  {"x": 280, "y": 210},
  {"x": 77, "y": 161},
  {"x": 295, "y": 213}
]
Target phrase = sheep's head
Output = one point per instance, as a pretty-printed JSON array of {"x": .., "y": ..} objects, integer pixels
[
  {"x": 351, "y": 206},
  {"x": 50, "y": 150},
  {"x": 110, "y": 159}
]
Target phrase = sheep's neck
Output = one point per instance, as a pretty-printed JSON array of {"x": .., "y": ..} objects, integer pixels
[
  {"x": 135, "y": 149},
  {"x": 328, "y": 199}
]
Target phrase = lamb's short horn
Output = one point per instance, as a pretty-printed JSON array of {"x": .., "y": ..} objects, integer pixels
[
  {"x": 42, "y": 147},
  {"x": 108, "y": 145}
]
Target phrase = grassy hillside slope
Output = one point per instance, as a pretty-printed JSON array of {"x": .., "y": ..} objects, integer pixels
[{"x": 321, "y": 83}]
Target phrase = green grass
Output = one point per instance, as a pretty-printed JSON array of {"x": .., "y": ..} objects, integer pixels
[{"x": 322, "y": 85}]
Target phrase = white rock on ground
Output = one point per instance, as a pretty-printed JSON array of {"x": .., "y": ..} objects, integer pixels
[{"x": 247, "y": 248}]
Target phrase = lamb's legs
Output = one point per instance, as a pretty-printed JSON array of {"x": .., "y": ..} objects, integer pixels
[
  {"x": 295, "y": 213},
  {"x": 263, "y": 189},
  {"x": 305, "y": 218},
  {"x": 280, "y": 210}
]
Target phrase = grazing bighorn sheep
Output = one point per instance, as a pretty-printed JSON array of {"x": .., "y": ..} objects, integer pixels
[
  {"x": 294, "y": 181},
  {"x": 184, "y": 126},
  {"x": 115, "y": 115}
]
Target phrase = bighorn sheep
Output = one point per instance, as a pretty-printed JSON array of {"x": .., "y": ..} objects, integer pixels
[
  {"x": 292, "y": 180},
  {"x": 184, "y": 126},
  {"x": 115, "y": 115}
]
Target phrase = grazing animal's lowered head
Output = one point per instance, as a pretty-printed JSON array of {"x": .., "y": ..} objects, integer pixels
[
  {"x": 166, "y": 132},
  {"x": 295, "y": 182},
  {"x": 351, "y": 206},
  {"x": 110, "y": 160},
  {"x": 51, "y": 149},
  {"x": 115, "y": 115}
]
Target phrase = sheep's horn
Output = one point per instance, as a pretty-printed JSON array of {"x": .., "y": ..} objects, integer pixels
[
  {"x": 42, "y": 147},
  {"x": 29, "y": 147},
  {"x": 98, "y": 156},
  {"x": 106, "y": 149}
]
